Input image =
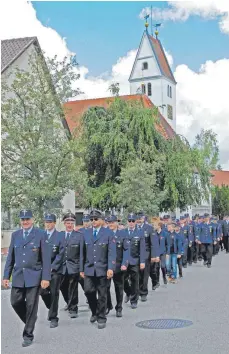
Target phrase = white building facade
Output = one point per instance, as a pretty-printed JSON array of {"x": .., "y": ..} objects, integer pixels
[{"x": 152, "y": 75}]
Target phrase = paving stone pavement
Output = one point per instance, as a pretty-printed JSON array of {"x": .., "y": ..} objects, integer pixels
[{"x": 201, "y": 296}]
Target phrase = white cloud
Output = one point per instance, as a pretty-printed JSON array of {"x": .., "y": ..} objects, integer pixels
[
  {"x": 182, "y": 10},
  {"x": 202, "y": 100}
]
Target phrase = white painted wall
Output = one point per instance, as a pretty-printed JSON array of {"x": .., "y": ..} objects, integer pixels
[
  {"x": 159, "y": 95},
  {"x": 22, "y": 62}
]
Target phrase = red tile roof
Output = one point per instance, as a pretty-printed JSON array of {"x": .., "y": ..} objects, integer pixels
[
  {"x": 75, "y": 109},
  {"x": 220, "y": 178},
  {"x": 161, "y": 57}
]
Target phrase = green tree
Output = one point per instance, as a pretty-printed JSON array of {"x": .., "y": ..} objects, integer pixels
[
  {"x": 137, "y": 189},
  {"x": 220, "y": 200},
  {"x": 114, "y": 89},
  {"x": 40, "y": 163},
  {"x": 114, "y": 138},
  {"x": 206, "y": 142}
]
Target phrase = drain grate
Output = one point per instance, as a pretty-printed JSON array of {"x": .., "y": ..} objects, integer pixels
[{"x": 164, "y": 324}]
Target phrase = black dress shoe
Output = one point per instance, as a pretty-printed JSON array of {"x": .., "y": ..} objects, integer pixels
[
  {"x": 118, "y": 313},
  {"x": 53, "y": 324},
  {"x": 157, "y": 285},
  {"x": 209, "y": 265},
  {"x": 73, "y": 314},
  {"x": 134, "y": 306},
  {"x": 154, "y": 287},
  {"x": 165, "y": 280},
  {"x": 102, "y": 325},
  {"x": 127, "y": 298},
  {"x": 144, "y": 298},
  {"x": 93, "y": 319},
  {"x": 27, "y": 342}
]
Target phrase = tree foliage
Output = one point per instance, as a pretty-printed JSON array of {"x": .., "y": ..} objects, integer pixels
[
  {"x": 206, "y": 142},
  {"x": 220, "y": 200},
  {"x": 122, "y": 141},
  {"x": 39, "y": 163}
]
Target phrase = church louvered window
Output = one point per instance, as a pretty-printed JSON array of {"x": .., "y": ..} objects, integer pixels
[
  {"x": 149, "y": 89},
  {"x": 144, "y": 66},
  {"x": 170, "y": 91},
  {"x": 170, "y": 112},
  {"x": 143, "y": 89}
]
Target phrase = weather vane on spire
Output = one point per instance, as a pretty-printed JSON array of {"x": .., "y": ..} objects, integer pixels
[
  {"x": 156, "y": 28},
  {"x": 146, "y": 23}
]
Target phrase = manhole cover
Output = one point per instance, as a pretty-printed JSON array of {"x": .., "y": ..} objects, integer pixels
[{"x": 164, "y": 324}]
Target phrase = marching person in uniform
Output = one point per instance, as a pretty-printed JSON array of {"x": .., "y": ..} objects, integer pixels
[
  {"x": 55, "y": 242},
  {"x": 190, "y": 225},
  {"x": 161, "y": 235},
  {"x": 29, "y": 263},
  {"x": 180, "y": 236},
  {"x": 225, "y": 232},
  {"x": 218, "y": 232},
  {"x": 86, "y": 222},
  {"x": 175, "y": 250},
  {"x": 195, "y": 232},
  {"x": 206, "y": 238},
  {"x": 151, "y": 252},
  {"x": 99, "y": 265},
  {"x": 121, "y": 266},
  {"x": 184, "y": 230},
  {"x": 72, "y": 264},
  {"x": 136, "y": 246}
]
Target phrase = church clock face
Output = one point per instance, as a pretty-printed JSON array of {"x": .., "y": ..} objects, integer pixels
[{"x": 169, "y": 111}]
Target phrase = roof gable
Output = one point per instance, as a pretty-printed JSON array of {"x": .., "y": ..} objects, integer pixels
[
  {"x": 146, "y": 48},
  {"x": 75, "y": 109},
  {"x": 11, "y": 49},
  {"x": 161, "y": 58}
]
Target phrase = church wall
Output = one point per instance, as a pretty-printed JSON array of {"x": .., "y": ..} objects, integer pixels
[{"x": 169, "y": 101}]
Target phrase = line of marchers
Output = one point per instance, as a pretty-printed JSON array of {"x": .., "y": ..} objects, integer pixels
[{"x": 118, "y": 152}]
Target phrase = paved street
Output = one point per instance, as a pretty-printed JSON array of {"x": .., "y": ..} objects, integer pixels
[{"x": 201, "y": 296}]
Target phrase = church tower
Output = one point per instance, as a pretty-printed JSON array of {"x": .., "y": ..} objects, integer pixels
[{"x": 151, "y": 75}]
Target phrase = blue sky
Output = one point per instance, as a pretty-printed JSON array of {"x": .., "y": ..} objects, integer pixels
[{"x": 101, "y": 32}]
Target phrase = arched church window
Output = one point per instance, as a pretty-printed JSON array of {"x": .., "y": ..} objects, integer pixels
[
  {"x": 143, "y": 89},
  {"x": 144, "y": 66},
  {"x": 170, "y": 91},
  {"x": 149, "y": 89}
]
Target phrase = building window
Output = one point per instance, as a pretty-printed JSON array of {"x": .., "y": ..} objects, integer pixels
[
  {"x": 143, "y": 89},
  {"x": 149, "y": 89},
  {"x": 170, "y": 112},
  {"x": 144, "y": 66},
  {"x": 170, "y": 91}
]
